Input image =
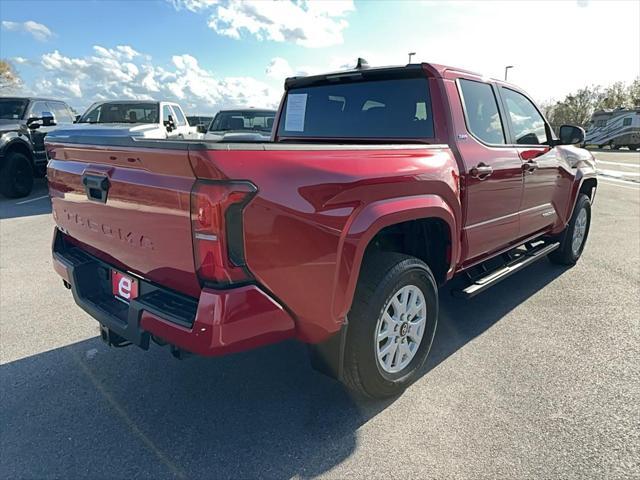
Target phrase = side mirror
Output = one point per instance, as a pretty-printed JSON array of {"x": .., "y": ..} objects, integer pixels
[
  {"x": 169, "y": 124},
  {"x": 202, "y": 128},
  {"x": 571, "y": 135},
  {"x": 77, "y": 117},
  {"x": 34, "y": 123},
  {"x": 48, "y": 120}
]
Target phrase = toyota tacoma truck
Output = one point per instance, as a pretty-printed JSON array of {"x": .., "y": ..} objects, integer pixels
[{"x": 377, "y": 186}]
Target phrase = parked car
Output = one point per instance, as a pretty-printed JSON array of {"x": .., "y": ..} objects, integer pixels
[
  {"x": 616, "y": 128},
  {"x": 379, "y": 186},
  {"x": 244, "y": 125},
  {"x": 147, "y": 119},
  {"x": 24, "y": 122}
]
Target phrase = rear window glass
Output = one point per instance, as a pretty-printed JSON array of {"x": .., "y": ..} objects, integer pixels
[
  {"x": 242, "y": 120},
  {"x": 120, "y": 112},
  {"x": 393, "y": 109}
]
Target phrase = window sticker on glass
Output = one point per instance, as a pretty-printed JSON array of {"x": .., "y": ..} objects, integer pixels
[{"x": 296, "y": 110}]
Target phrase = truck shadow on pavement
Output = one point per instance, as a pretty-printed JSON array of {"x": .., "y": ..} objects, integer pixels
[
  {"x": 85, "y": 410},
  {"x": 37, "y": 203}
]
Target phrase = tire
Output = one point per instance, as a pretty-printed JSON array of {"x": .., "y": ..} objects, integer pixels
[
  {"x": 16, "y": 176},
  {"x": 567, "y": 253},
  {"x": 383, "y": 278}
]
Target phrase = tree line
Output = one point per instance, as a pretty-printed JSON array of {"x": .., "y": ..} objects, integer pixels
[{"x": 577, "y": 107}]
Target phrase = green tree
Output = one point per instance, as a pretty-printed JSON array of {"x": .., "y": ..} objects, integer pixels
[
  {"x": 614, "y": 96},
  {"x": 575, "y": 109},
  {"x": 633, "y": 93}
]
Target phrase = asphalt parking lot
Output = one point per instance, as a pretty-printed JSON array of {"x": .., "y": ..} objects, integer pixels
[{"x": 537, "y": 378}]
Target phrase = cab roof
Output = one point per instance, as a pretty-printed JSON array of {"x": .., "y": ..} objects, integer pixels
[
  {"x": 33, "y": 99},
  {"x": 393, "y": 71}
]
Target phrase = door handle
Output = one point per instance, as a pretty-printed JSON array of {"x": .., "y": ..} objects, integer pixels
[
  {"x": 481, "y": 171},
  {"x": 530, "y": 166}
]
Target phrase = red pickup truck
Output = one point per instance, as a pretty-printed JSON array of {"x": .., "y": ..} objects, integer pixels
[{"x": 377, "y": 187}]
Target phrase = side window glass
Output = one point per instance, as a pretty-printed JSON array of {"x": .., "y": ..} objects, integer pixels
[
  {"x": 481, "y": 108},
  {"x": 528, "y": 124},
  {"x": 179, "y": 116},
  {"x": 93, "y": 116},
  {"x": 61, "y": 112},
  {"x": 38, "y": 108},
  {"x": 166, "y": 111}
]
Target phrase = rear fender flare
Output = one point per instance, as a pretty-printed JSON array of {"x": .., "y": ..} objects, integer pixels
[{"x": 367, "y": 222}]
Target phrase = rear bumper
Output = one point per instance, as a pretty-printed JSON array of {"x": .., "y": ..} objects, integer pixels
[{"x": 217, "y": 323}]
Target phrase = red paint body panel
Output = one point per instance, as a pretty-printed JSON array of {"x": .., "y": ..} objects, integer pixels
[
  {"x": 313, "y": 216},
  {"x": 227, "y": 321},
  {"x": 145, "y": 225},
  {"x": 316, "y": 209}
]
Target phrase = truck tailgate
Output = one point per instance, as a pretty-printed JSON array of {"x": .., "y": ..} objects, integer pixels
[{"x": 130, "y": 207}]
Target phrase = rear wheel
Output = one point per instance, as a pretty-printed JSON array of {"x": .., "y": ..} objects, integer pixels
[
  {"x": 16, "y": 176},
  {"x": 574, "y": 237},
  {"x": 391, "y": 324}
]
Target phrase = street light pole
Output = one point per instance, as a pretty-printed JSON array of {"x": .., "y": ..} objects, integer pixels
[
  {"x": 506, "y": 71},
  {"x": 411, "y": 54}
]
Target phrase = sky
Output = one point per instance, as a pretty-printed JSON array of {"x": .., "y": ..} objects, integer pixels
[{"x": 213, "y": 54}]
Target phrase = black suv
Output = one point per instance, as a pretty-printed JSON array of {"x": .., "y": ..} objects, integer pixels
[{"x": 24, "y": 122}]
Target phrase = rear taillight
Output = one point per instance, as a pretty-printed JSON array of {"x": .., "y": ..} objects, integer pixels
[{"x": 218, "y": 238}]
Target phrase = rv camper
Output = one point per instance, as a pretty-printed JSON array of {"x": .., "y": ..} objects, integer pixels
[{"x": 616, "y": 128}]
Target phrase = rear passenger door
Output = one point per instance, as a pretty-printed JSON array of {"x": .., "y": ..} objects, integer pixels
[
  {"x": 492, "y": 177},
  {"x": 546, "y": 190}
]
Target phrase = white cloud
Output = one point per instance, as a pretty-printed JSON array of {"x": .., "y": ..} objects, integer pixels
[
  {"x": 279, "y": 69},
  {"x": 304, "y": 22},
  {"x": 192, "y": 5},
  {"x": 124, "y": 73},
  {"x": 37, "y": 30},
  {"x": 121, "y": 52}
]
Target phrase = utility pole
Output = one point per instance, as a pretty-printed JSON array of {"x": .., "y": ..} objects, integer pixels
[
  {"x": 506, "y": 71},
  {"x": 411, "y": 54}
]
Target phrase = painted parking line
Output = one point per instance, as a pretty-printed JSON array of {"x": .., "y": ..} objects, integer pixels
[
  {"x": 614, "y": 182},
  {"x": 617, "y": 173},
  {"x": 619, "y": 164},
  {"x": 32, "y": 200}
]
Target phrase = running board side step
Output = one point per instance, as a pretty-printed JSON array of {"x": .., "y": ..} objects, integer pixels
[{"x": 527, "y": 258}]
